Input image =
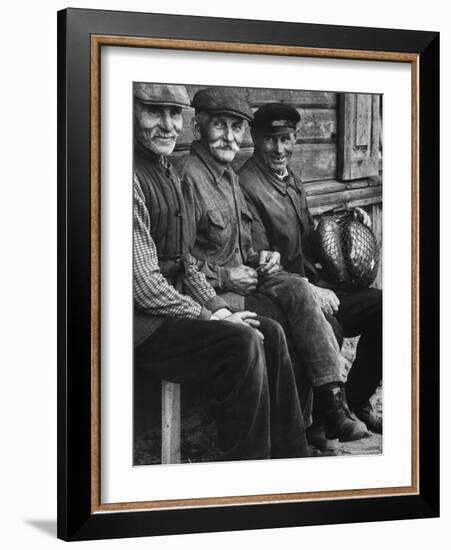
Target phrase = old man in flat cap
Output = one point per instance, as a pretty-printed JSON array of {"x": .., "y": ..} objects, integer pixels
[
  {"x": 277, "y": 200},
  {"x": 252, "y": 279},
  {"x": 184, "y": 332}
]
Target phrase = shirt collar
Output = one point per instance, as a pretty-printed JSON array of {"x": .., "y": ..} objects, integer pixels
[
  {"x": 281, "y": 177},
  {"x": 215, "y": 168},
  {"x": 160, "y": 160}
]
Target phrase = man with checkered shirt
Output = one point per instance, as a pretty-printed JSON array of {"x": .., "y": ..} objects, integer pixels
[{"x": 184, "y": 332}]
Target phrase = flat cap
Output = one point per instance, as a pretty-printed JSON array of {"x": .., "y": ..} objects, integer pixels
[
  {"x": 161, "y": 94},
  {"x": 276, "y": 118},
  {"x": 222, "y": 100}
]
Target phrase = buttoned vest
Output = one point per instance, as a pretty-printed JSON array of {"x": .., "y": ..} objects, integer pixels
[
  {"x": 168, "y": 224},
  {"x": 168, "y": 227}
]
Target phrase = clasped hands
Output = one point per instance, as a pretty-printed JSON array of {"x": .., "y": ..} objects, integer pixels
[{"x": 244, "y": 279}]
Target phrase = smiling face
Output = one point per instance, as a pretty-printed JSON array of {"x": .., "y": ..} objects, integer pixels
[
  {"x": 275, "y": 150},
  {"x": 222, "y": 134},
  {"x": 157, "y": 126}
]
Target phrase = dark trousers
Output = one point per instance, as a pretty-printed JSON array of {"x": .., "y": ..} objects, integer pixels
[
  {"x": 251, "y": 386},
  {"x": 360, "y": 313},
  {"x": 263, "y": 305}
]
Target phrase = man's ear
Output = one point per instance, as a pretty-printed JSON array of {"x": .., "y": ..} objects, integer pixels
[{"x": 195, "y": 127}]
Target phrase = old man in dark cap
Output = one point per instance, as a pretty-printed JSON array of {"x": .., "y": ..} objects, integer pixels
[
  {"x": 183, "y": 331},
  {"x": 249, "y": 278},
  {"x": 281, "y": 221}
]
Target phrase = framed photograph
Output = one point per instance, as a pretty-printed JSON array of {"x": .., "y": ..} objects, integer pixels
[{"x": 248, "y": 274}]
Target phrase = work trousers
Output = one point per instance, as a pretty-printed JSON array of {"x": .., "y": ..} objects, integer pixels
[
  {"x": 292, "y": 303},
  {"x": 251, "y": 385}
]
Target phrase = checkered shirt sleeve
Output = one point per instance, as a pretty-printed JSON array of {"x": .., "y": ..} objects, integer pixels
[
  {"x": 152, "y": 292},
  {"x": 197, "y": 286}
]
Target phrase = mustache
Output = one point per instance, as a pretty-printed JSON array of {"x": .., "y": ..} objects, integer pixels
[{"x": 226, "y": 146}]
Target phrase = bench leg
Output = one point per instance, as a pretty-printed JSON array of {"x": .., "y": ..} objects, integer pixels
[{"x": 170, "y": 423}]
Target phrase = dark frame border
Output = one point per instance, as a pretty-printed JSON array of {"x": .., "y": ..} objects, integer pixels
[{"x": 76, "y": 519}]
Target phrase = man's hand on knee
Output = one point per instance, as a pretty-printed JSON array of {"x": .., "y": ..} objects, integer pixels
[
  {"x": 248, "y": 318},
  {"x": 326, "y": 298}
]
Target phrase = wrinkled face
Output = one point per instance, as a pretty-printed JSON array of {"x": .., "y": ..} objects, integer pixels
[
  {"x": 275, "y": 150},
  {"x": 222, "y": 134},
  {"x": 157, "y": 127}
]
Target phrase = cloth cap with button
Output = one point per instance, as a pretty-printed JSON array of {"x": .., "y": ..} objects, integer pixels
[
  {"x": 161, "y": 94},
  {"x": 276, "y": 118},
  {"x": 218, "y": 100}
]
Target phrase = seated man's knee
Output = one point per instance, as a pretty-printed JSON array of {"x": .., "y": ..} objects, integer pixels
[
  {"x": 244, "y": 340},
  {"x": 298, "y": 294},
  {"x": 272, "y": 331}
]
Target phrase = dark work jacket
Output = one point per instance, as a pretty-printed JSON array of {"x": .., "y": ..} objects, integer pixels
[{"x": 281, "y": 219}]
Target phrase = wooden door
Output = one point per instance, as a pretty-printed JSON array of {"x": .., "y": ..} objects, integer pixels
[{"x": 358, "y": 136}]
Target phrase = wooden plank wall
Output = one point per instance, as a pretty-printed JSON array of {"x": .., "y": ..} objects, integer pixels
[{"x": 315, "y": 155}]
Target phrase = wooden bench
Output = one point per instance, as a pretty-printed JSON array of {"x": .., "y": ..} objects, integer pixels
[{"x": 170, "y": 423}]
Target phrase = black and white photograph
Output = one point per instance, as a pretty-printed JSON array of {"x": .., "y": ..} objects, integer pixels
[
  {"x": 257, "y": 273},
  {"x": 225, "y": 296}
]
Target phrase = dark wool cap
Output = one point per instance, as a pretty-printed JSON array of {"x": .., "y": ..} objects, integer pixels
[
  {"x": 276, "y": 118},
  {"x": 222, "y": 100},
  {"x": 161, "y": 94}
]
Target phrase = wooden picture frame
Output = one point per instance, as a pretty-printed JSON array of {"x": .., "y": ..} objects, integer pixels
[{"x": 81, "y": 35}]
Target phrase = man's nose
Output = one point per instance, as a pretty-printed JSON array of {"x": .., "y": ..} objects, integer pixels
[
  {"x": 166, "y": 121},
  {"x": 279, "y": 147},
  {"x": 228, "y": 134}
]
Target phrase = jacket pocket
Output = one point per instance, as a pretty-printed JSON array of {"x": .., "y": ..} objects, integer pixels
[
  {"x": 217, "y": 227},
  {"x": 216, "y": 218}
]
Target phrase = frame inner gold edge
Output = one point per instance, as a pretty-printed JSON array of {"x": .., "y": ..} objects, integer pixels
[{"x": 104, "y": 40}]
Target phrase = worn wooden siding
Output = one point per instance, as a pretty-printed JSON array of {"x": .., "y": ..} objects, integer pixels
[{"x": 315, "y": 155}]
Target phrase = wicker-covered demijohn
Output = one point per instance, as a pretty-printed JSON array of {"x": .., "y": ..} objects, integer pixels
[{"x": 347, "y": 250}]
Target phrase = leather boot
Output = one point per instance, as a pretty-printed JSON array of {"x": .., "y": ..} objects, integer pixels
[
  {"x": 316, "y": 437},
  {"x": 337, "y": 419}
]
